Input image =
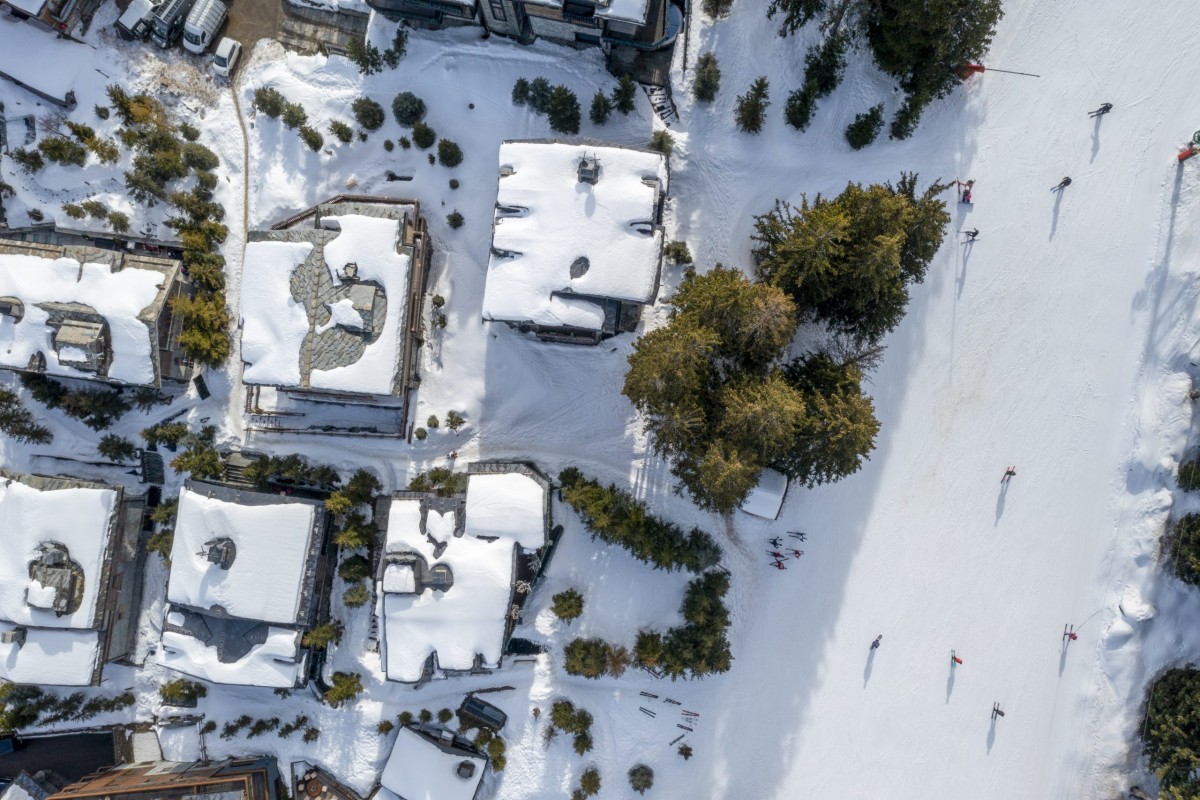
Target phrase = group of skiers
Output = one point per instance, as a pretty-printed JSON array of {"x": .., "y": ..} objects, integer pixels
[{"x": 967, "y": 187}]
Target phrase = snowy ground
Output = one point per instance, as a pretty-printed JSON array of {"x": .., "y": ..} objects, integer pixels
[{"x": 1059, "y": 342}]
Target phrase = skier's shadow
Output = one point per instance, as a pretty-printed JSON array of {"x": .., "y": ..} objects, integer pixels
[
  {"x": 950, "y": 682},
  {"x": 968, "y": 246},
  {"x": 991, "y": 740},
  {"x": 1000, "y": 502},
  {"x": 1096, "y": 138},
  {"x": 1062, "y": 657},
  {"x": 868, "y": 667},
  {"x": 1058, "y": 195}
]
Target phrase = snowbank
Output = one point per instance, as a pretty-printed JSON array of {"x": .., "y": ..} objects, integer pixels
[{"x": 547, "y": 219}]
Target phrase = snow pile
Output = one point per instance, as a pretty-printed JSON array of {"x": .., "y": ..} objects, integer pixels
[
  {"x": 418, "y": 769},
  {"x": 273, "y": 323},
  {"x": 264, "y": 581},
  {"x": 468, "y": 618},
  {"x": 119, "y": 297},
  {"x": 557, "y": 235},
  {"x": 272, "y": 663},
  {"x": 38, "y": 59},
  {"x": 369, "y": 242}
]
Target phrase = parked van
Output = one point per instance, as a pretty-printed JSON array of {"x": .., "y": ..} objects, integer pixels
[
  {"x": 168, "y": 21},
  {"x": 135, "y": 22},
  {"x": 206, "y": 19}
]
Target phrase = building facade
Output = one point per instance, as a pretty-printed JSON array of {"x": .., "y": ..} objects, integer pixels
[{"x": 232, "y": 779}]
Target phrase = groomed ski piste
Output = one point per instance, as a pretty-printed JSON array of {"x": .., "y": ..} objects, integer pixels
[{"x": 1062, "y": 341}]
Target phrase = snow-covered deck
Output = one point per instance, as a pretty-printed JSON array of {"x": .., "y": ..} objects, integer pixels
[
  {"x": 547, "y": 220},
  {"x": 266, "y": 579},
  {"x": 418, "y": 769}
]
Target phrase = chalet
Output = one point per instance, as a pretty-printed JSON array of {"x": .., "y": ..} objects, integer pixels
[
  {"x": 577, "y": 239},
  {"x": 230, "y": 779},
  {"x": 429, "y": 761},
  {"x": 70, "y": 579},
  {"x": 331, "y": 303},
  {"x": 244, "y": 585},
  {"x": 455, "y": 571},
  {"x": 77, "y": 311}
]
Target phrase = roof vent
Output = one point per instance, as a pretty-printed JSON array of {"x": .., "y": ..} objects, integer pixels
[
  {"x": 506, "y": 170},
  {"x": 589, "y": 170},
  {"x": 350, "y": 271},
  {"x": 465, "y": 769},
  {"x": 15, "y": 636},
  {"x": 220, "y": 552},
  {"x": 579, "y": 267}
]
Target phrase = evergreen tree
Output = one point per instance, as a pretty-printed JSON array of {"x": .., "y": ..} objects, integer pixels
[
  {"x": 601, "y": 108},
  {"x": 322, "y": 635},
  {"x": 354, "y": 568},
  {"x": 520, "y": 92},
  {"x": 563, "y": 111},
  {"x": 355, "y": 532},
  {"x": 708, "y": 78},
  {"x": 586, "y": 657},
  {"x": 539, "y": 95},
  {"x": 589, "y": 781},
  {"x": 116, "y": 448},
  {"x": 865, "y": 127},
  {"x": 641, "y": 778},
  {"x": 752, "y": 106},
  {"x": 624, "y": 96},
  {"x": 345, "y": 686},
  {"x": 567, "y": 605},
  {"x": 1171, "y": 731},
  {"x": 408, "y": 109},
  {"x": 368, "y": 113},
  {"x": 356, "y": 596}
]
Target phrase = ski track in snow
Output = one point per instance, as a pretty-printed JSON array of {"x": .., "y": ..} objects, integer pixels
[{"x": 1061, "y": 341}]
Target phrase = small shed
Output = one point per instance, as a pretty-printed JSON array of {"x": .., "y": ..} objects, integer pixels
[{"x": 766, "y": 498}]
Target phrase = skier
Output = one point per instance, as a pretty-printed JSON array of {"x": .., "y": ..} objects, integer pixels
[
  {"x": 778, "y": 565},
  {"x": 954, "y": 659},
  {"x": 776, "y": 542},
  {"x": 1064, "y": 183},
  {"x": 972, "y": 234},
  {"x": 796, "y": 553},
  {"x": 875, "y": 644},
  {"x": 965, "y": 196},
  {"x": 453, "y": 454},
  {"x": 1101, "y": 111},
  {"x": 776, "y": 555},
  {"x": 1009, "y": 474},
  {"x": 1072, "y": 636}
]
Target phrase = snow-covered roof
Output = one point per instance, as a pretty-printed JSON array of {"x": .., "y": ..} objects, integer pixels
[
  {"x": 547, "y": 220},
  {"x": 32, "y": 7},
  {"x": 273, "y": 323},
  {"x": 626, "y": 10},
  {"x": 276, "y": 325},
  {"x": 766, "y": 498},
  {"x": 37, "y": 58},
  {"x": 80, "y": 519},
  {"x": 50, "y": 656},
  {"x": 468, "y": 618},
  {"x": 120, "y": 297},
  {"x": 418, "y": 769},
  {"x": 272, "y": 539},
  {"x": 273, "y": 662}
]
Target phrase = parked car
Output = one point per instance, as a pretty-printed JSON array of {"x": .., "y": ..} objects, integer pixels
[
  {"x": 135, "y": 22},
  {"x": 168, "y": 21},
  {"x": 203, "y": 24},
  {"x": 226, "y": 56}
]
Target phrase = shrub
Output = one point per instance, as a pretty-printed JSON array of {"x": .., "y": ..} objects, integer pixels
[
  {"x": 865, "y": 127},
  {"x": 423, "y": 136},
  {"x": 408, "y": 109},
  {"x": 445, "y": 715},
  {"x": 161, "y": 542},
  {"x": 312, "y": 138},
  {"x": 368, "y": 113},
  {"x": 30, "y": 160},
  {"x": 420, "y": 434},
  {"x": 685, "y": 750},
  {"x": 662, "y": 142},
  {"x": 752, "y": 106},
  {"x": 582, "y": 743},
  {"x": 589, "y": 781},
  {"x": 182, "y": 692},
  {"x": 641, "y": 778},
  {"x": 404, "y": 143},
  {"x": 437, "y": 301},
  {"x": 82, "y": 133},
  {"x": 356, "y": 596},
  {"x": 539, "y": 95},
  {"x": 601, "y": 108},
  {"x": 454, "y": 420},
  {"x": 678, "y": 252},
  {"x": 166, "y": 433},
  {"x": 424, "y": 716},
  {"x": 432, "y": 160},
  {"x": 405, "y": 718},
  {"x": 341, "y": 131},
  {"x": 63, "y": 151},
  {"x": 94, "y": 209},
  {"x": 454, "y": 219},
  {"x": 708, "y": 78},
  {"x": 188, "y": 131},
  {"x": 116, "y": 448},
  {"x": 211, "y": 725},
  {"x": 388, "y": 145},
  {"x": 328, "y": 632},
  {"x": 587, "y": 657},
  {"x": 449, "y": 153},
  {"x": 624, "y": 96},
  {"x": 355, "y": 532},
  {"x": 432, "y": 422},
  {"x": 36, "y": 215},
  {"x": 74, "y": 210},
  {"x": 294, "y": 116},
  {"x": 567, "y": 605},
  {"x": 105, "y": 150},
  {"x": 1189, "y": 475},
  {"x": 118, "y": 221},
  {"x": 520, "y": 92},
  {"x": 311, "y": 735},
  {"x": 717, "y": 8},
  {"x": 454, "y": 184},
  {"x": 563, "y": 111},
  {"x": 101, "y": 111},
  {"x": 345, "y": 686},
  {"x": 269, "y": 101},
  {"x": 385, "y": 726},
  {"x": 354, "y": 568}
]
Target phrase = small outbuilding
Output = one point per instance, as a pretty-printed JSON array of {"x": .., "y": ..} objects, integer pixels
[{"x": 766, "y": 499}]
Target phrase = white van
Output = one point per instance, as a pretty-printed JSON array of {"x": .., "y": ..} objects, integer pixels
[{"x": 202, "y": 25}]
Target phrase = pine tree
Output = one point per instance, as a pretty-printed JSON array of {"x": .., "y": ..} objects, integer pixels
[
  {"x": 708, "y": 78},
  {"x": 865, "y": 127},
  {"x": 563, "y": 111},
  {"x": 586, "y": 657},
  {"x": 601, "y": 108},
  {"x": 762, "y": 416},
  {"x": 116, "y": 448},
  {"x": 641, "y": 778},
  {"x": 345, "y": 686},
  {"x": 624, "y": 96},
  {"x": 567, "y": 605},
  {"x": 752, "y": 106},
  {"x": 323, "y": 635}
]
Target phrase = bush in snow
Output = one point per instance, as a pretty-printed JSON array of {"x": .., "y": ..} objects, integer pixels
[
  {"x": 567, "y": 605},
  {"x": 356, "y": 596},
  {"x": 385, "y": 727},
  {"x": 449, "y": 153},
  {"x": 116, "y": 448},
  {"x": 405, "y": 718},
  {"x": 161, "y": 542},
  {"x": 105, "y": 150},
  {"x": 454, "y": 420},
  {"x": 341, "y": 131},
  {"x": 200, "y": 158},
  {"x": 589, "y": 784},
  {"x": 624, "y": 95},
  {"x": 539, "y": 95},
  {"x": 169, "y": 434},
  {"x": 454, "y": 219},
  {"x": 420, "y": 434},
  {"x": 563, "y": 111},
  {"x": 424, "y": 716},
  {"x": 287, "y": 729},
  {"x": 520, "y": 92},
  {"x": 708, "y": 78},
  {"x": 618, "y": 659},
  {"x": 312, "y": 138},
  {"x": 495, "y": 749},
  {"x": 752, "y": 106},
  {"x": 408, "y": 109},
  {"x": 685, "y": 750},
  {"x": 865, "y": 127},
  {"x": 454, "y": 184},
  {"x": 1186, "y": 549},
  {"x": 424, "y": 136},
  {"x": 432, "y": 422},
  {"x": 294, "y": 116},
  {"x": 678, "y": 252},
  {"x": 354, "y": 568},
  {"x": 404, "y": 143},
  {"x": 181, "y": 692},
  {"x": 641, "y": 778},
  {"x": 432, "y": 160},
  {"x": 118, "y": 221},
  {"x": 368, "y": 113},
  {"x": 63, "y": 151},
  {"x": 1189, "y": 475},
  {"x": 718, "y": 8},
  {"x": 188, "y": 131},
  {"x": 30, "y": 160},
  {"x": 389, "y": 145},
  {"x": 445, "y": 715},
  {"x": 354, "y": 532},
  {"x": 74, "y": 210},
  {"x": 94, "y": 209},
  {"x": 269, "y": 101},
  {"x": 601, "y": 108},
  {"x": 399, "y": 46},
  {"x": 662, "y": 142},
  {"x": 101, "y": 111},
  {"x": 586, "y": 657},
  {"x": 36, "y": 215},
  {"x": 437, "y": 301},
  {"x": 329, "y": 631},
  {"x": 441, "y": 481},
  {"x": 311, "y": 735}
]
